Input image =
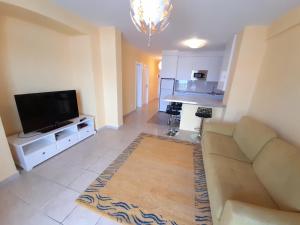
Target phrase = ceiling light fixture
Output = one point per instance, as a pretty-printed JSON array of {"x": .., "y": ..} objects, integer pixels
[
  {"x": 150, "y": 16},
  {"x": 195, "y": 43}
]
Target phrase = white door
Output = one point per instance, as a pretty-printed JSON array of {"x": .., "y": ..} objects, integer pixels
[
  {"x": 139, "y": 85},
  {"x": 146, "y": 85}
]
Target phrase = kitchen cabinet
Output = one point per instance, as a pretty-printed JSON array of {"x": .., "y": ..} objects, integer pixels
[
  {"x": 186, "y": 64},
  {"x": 169, "y": 66}
]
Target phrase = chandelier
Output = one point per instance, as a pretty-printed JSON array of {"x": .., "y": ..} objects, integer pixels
[{"x": 150, "y": 16}]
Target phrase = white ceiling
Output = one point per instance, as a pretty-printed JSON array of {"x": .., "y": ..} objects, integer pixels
[{"x": 214, "y": 20}]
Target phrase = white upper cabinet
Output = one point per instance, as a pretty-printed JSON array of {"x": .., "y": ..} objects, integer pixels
[
  {"x": 186, "y": 64},
  {"x": 179, "y": 65},
  {"x": 169, "y": 66}
]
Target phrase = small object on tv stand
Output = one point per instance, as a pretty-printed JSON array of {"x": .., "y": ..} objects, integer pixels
[
  {"x": 82, "y": 125},
  {"x": 82, "y": 119}
]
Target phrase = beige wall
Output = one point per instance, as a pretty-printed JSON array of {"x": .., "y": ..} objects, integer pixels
[
  {"x": 98, "y": 82},
  {"x": 277, "y": 94},
  {"x": 7, "y": 166},
  {"x": 246, "y": 67},
  {"x": 48, "y": 14},
  {"x": 59, "y": 51},
  {"x": 110, "y": 40},
  {"x": 38, "y": 59},
  {"x": 44, "y": 48},
  {"x": 81, "y": 56},
  {"x": 131, "y": 56}
]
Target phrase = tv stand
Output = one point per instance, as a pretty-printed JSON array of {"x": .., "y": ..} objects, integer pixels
[
  {"x": 30, "y": 151},
  {"x": 54, "y": 126}
]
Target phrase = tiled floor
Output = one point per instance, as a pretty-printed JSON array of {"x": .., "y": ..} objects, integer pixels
[{"x": 47, "y": 194}]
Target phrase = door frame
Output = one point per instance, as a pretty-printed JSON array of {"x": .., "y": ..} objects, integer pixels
[
  {"x": 147, "y": 80},
  {"x": 139, "y": 67}
]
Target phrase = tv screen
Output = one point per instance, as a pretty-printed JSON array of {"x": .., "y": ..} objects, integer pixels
[{"x": 42, "y": 110}]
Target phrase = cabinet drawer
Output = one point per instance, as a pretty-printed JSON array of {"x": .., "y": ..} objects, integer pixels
[
  {"x": 86, "y": 132},
  {"x": 67, "y": 142},
  {"x": 41, "y": 155}
]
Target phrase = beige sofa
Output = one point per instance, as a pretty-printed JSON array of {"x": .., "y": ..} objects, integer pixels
[{"x": 253, "y": 177}]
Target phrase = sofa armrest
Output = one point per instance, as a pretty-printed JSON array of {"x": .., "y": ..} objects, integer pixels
[
  {"x": 220, "y": 128},
  {"x": 240, "y": 213}
]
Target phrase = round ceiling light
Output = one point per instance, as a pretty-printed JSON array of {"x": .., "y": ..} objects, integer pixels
[{"x": 195, "y": 43}]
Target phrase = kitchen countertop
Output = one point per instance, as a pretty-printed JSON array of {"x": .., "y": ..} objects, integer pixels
[{"x": 197, "y": 99}]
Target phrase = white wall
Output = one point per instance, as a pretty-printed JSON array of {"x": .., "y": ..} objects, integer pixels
[{"x": 227, "y": 55}]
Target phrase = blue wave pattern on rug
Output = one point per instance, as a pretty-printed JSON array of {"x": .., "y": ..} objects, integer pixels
[
  {"x": 132, "y": 214},
  {"x": 201, "y": 194}
]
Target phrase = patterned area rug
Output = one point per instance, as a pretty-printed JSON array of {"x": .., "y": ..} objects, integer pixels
[{"x": 156, "y": 180}]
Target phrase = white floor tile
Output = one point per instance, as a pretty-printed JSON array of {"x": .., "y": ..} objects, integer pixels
[
  {"x": 60, "y": 207},
  {"x": 14, "y": 211},
  {"x": 83, "y": 181},
  {"x": 99, "y": 166},
  {"x": 35, "y": 190},
  {"x": 105, "y": 221},
  {"x": 82, "y": 159},
  {"x": 81, "y": 216},
  {"x": 63, "y": 174}
]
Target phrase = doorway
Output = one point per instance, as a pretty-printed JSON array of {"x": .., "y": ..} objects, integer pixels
[{"x": 142, "y": 85}]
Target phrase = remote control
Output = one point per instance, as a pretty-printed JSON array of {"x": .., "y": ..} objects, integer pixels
[{"x": 82, "y": 119}]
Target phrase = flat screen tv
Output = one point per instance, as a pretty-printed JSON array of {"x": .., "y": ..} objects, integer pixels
[{"x": 44, "y": 111}]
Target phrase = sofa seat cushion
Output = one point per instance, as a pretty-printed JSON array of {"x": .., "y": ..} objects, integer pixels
[
  {"x": 229, "y": 179},
  {"x": 219, "y": 144}
]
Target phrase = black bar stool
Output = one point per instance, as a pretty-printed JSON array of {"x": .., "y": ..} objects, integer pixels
[
  {"x": 203, "y": 113},
  {"x": 174, "y": 112},
  {"x": 177, "y": 106}
]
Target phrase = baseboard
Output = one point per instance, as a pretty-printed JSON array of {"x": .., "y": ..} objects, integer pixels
[
  {"x": 128, "y": 114},
  {"x": 113, "y": 127},
  {"x": 109, "y": 127},
  {"x": 10, "y": 178}
]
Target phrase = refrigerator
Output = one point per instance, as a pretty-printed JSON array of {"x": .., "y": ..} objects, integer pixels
[{"x": 167, "y": 86}]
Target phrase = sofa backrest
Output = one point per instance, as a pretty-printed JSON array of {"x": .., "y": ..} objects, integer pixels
[
  {"x": 278, "y": 168},
  {"x": 251, "y": 136}
]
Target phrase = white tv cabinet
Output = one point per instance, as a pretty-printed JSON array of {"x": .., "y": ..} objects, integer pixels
[{"x": 34, "y": 148}]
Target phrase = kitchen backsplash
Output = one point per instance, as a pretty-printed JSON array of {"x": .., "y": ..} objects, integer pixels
[{"x": 196, "y": 86}]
